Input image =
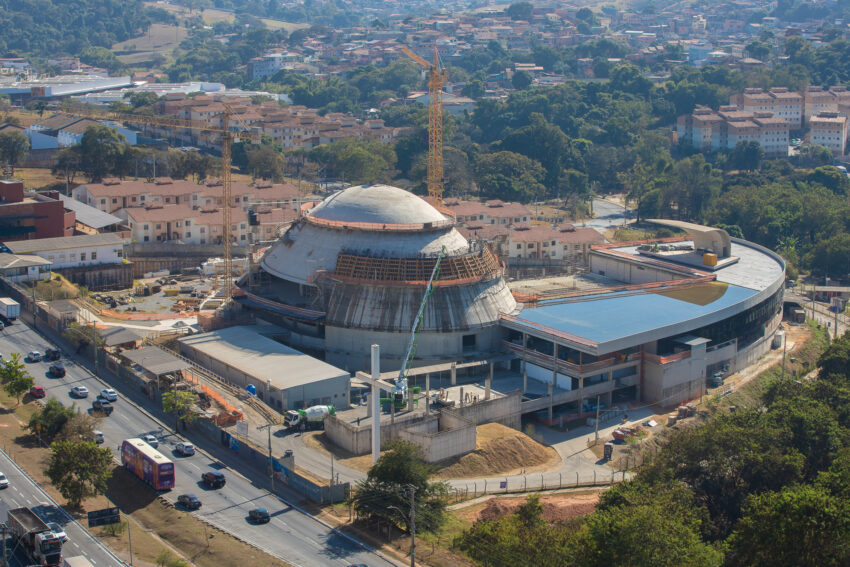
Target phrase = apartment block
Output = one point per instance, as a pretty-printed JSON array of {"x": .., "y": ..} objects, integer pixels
[
  {"x": 829, "y": 129},
  {"x": 709, "y": 130}
]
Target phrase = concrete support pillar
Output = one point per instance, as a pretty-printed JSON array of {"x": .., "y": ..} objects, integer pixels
[
  {"x": 461, "y": 396},
  {"x": 524, "y": 378},
  {"x": 554, "y": 366},
  {"x": 551, "y": 400},
  {"x": 488, "y": 382},
  {"x": 376, "y": 400},
  {"x": 454, "y": 373},
  {"x": 409, "y": 399},
  {"x": 427, "y": 394}
]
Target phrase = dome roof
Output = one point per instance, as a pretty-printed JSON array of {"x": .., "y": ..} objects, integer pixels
[{"x": 379, "y": 204}]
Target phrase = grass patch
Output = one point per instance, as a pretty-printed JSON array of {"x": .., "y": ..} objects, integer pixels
[
  {"x": 57, "y": 287},
  {"x": 37, "y": 177},
  {"x": 278, "y": 24}
]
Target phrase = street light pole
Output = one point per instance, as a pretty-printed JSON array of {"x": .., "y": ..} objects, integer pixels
[
  {"x": 268, "y": 427},
  {"x": 412, "y": 527}
]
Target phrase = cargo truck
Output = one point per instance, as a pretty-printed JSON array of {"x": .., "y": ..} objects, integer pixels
[
  {"x": 41, "y": 545},
  {"x": 9, "y": 308},
  {"x": 311, "y": 418}
]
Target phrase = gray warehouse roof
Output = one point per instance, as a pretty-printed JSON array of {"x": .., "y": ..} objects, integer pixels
[
  {"x": 245, "y": 349},
  {"x": 88, "y": 215},
  {"x": 155, "y": 360},
  {"x": 63, "y": 243}
]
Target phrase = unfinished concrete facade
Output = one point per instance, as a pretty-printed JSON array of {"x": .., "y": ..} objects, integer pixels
[{"x": 353, "y": 271}]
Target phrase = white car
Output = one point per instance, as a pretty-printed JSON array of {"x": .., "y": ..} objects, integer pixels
[
  {"x": 34, "y": 356},
  {"x": 58, "y": 531},
  {"x": 4, "y": 482},
  {"x": 98, "y": 436},
  {"x": 80, "y": 392},
  {"x": 150, "y": 440},
  {"x": 109, "y": 394},
  {"x": 185, "y": 449}
]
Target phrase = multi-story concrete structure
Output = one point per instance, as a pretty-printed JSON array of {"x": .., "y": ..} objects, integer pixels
[
  {"x": 817, "y": 100},
  {"x": 488, "y": 212},
  {"x": 829, "y": 129},
  {"x": 74, "y": 251},
  {"x": 778, "y": 101}
]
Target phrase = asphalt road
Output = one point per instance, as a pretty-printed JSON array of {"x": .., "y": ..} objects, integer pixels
[
  {"x": 23, "y": 491},
  {"x": 292, "y": 535},
  {"x": 606, "y": 214}
]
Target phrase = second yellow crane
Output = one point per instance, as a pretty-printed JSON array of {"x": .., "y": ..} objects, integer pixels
[{"x": 437, "y": 77}]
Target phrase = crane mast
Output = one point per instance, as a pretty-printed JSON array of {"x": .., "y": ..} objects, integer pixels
[{"x": 436, "y": 79}]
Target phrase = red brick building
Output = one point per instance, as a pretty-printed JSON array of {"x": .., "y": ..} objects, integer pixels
[{"x": 25, "y": 217}]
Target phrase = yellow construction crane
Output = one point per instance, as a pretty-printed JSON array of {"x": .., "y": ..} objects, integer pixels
[
  {"x": 436, "y": 79},
  {"x": 227, "y": 137}
]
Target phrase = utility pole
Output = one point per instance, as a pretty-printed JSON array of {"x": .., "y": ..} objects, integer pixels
[
  {"x": 412, "y": 526},
  {"x": 784, "y": 350},
  {"x": 130, "y": 540},
  {"x": 268, "y": 427},
  {"x": 596, "y": 438}
]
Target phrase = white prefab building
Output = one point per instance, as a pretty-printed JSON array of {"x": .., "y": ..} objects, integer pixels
[
  {"x": 24, "y": 268},
  {"x": 74, "y": 251},
  {"x": 283, "y": 377}
]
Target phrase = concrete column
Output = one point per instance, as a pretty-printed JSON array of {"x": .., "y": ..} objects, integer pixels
[
  {"x": 488, "y": 382},
  {"x": 554, "y": 365},
  {"x": 551, "y": 399},
  {"x": 524, "y": 364},
  {"x": 454, "y": 373},
  {"x": 376, "y": 408},
  {"x": 427, "y": 394},
  {"x": 461, "y": 396}
]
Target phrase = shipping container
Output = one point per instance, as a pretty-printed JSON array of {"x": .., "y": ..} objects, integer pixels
[{"x": 148, "y": 464}]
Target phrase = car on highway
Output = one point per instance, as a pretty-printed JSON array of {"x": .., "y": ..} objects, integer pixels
[
  {"x": 109, "y": 394},
  {"x": 57, "y": 370},
  {"x": 189, "y": 501},
  {"x": 33, "y": 356},
  {"x": 58, "y": 531},
  {"x": 98, "y": 436},
  {"x": 37, "y": 392},
  {"x": 213, "y": 479},
  {"x": 259, "y": 516},
  {"x": 185, "y": 449},
  {"x": 150, "y": 440},
  {"x": 102, "y": 406},
  {"x": 4, "y": 482},
  {"x": 80, "y": 392},
  {"x": 52, "y": 354}
]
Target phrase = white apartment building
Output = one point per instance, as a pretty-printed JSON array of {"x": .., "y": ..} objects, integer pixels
[
  {"x": 562, "y": 243},
  {"x": 74, "y": 251},
  {"x": 829, "y": 129},
  {"x": 710, "y": 131}
]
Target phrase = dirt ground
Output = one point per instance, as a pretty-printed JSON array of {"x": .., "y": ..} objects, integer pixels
[
  {"x": 498, "y": 450},
  {"x": 556, "y": 507},
  {"x": 159, "y": 39},
  {"x": 156, "y": 526},
  {"x": 36, "y": 177}
]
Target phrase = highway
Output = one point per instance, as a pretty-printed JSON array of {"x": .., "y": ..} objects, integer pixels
[
  {"x": 23, "y": 491},
  {"x": 292, "y": 535}
]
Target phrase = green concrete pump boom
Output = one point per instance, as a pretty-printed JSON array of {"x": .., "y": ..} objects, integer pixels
[{"x": 401, "y": 383}]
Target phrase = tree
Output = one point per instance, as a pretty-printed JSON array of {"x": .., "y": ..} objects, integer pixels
[
  {"x": 67, "y": 164},
  {"x": 37, "y": 106},
  {"x": 696, "y": 185},
  {"x": 385, "y": 490},
  {"x": 520, "y": 11},
  {"x": 746, "y": 156},
  {"x": 47, "y": 423},
  {"x": 16, "y": 379},
  {"x": 831, "y": 178},
  {"x": 14, "y": 147},
  {"x": 101, "y": 151},
  {"x": 509, "y": 176},
  {"x": 473, "y": 89},
  {"x": 521, "y": 80},
  {"x": 266, "y": 162},
  {"x": 803, "y": 526},
  {"x": 80, "y": 427},
  {"x": 79, "y": 469},
  {"x": 638, "y": 181},
  {"x": 180, "y": 404}
]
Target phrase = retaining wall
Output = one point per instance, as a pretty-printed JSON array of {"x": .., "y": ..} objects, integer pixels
[
  {"x": 506, "y": 410},
  {"x": 357, "y": 439}
]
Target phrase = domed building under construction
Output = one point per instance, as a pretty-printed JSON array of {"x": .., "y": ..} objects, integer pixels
[{"x": 354, "y": 271}]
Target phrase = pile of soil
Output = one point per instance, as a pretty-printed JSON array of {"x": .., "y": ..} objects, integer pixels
[
  {"x": 556, "y": 507},
  {"x": 500, "y": 450}
]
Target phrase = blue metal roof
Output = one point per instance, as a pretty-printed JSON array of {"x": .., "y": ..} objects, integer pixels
[{"x": 608, "y": 317}]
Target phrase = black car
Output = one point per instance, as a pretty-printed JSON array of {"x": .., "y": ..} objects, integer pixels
[
  {"x": 102, "y": 405},
  {"x": 259, "y": 516},
  {"x": 213, "y": 479},
  {"x": 57, "y": 369},
  {"x": 189, "y": 501},
  {"x": 52, "y": 354}
]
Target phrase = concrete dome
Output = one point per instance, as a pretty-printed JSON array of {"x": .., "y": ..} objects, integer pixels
[{"x": 379, "y": 204}]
